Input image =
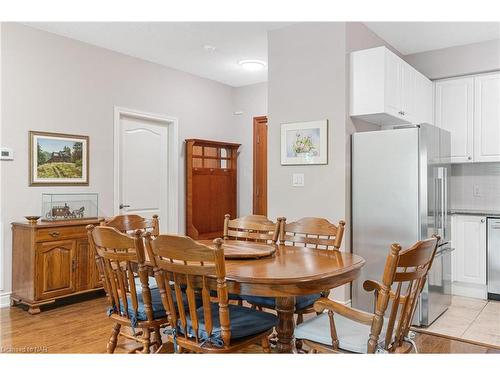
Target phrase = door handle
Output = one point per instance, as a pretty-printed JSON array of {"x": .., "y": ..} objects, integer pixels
[{"x": 124, "y": 205}]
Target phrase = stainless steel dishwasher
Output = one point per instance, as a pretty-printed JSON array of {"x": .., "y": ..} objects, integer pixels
[{"x": 493, "y": 275}]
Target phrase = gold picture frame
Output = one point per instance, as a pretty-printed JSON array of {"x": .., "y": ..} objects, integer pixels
[{"x": 58, "y": 159}]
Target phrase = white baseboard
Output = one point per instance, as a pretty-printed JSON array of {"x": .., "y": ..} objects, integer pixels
[
  {"x": 4, "y": 299},
  {"x": 469, "y": 290}
]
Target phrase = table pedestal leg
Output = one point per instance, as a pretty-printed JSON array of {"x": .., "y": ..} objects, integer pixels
[{"x": 285, "y": 306}]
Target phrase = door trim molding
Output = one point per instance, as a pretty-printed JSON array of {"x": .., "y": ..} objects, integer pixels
[{"x": 172, "y": 124}]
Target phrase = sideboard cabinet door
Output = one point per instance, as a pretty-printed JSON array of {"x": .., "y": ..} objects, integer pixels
[{"x": 55, "y": 265}]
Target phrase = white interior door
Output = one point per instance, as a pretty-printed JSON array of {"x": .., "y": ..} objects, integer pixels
[{"x": 143, "y": 168}]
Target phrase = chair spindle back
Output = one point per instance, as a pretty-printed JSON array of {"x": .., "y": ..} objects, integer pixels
[
  {"x": 118, "y": 256},
  {"x": 406, "y": 270},
  {"x": 312, "y": 232},
  {"x": 184, "y": 263},
  {"x": 255, "y": 228}
]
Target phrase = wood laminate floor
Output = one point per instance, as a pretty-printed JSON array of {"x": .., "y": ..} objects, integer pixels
[{"x": 82, "y": 327}]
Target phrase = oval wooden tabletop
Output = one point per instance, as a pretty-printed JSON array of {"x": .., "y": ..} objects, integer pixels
[{"x": 291, "y": 271}]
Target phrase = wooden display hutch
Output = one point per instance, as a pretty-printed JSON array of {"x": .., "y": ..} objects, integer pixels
[
  {"x": 211, "y": 173},
  {"x": 51, "y": 260}
]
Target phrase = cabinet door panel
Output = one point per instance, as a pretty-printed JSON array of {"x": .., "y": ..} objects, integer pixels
[
  {"x": 487, "y": 117},
  {"x": 470, "y": 249},
  {"x": 55, "y": 268},
  {"x": 83, "y": 274},
  {"x": 408, "y": 77},
  {"x": 454, "y": 112},
  {"x": 393, "y": 85},
  {"x": 423, "y": 100}
]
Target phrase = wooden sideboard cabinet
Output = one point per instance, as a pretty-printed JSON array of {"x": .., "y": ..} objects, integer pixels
[{"x": 51, "y": 260}]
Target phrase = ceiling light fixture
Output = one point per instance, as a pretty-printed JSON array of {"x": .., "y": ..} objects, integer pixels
[
  {"x": 209, "y": 48},
  {"x": 252, "y": 65}
]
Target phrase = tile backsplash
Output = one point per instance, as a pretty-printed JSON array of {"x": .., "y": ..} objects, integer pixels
[{"x": 475, "y": 186}]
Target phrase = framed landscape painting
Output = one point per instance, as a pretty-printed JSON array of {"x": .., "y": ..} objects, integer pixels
[
  {"x": 58, "y": 159},
  {"x": 304, "y": 143}
]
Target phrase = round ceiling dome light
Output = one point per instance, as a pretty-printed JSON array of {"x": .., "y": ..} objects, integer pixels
[{"x": 252, "y": 65}]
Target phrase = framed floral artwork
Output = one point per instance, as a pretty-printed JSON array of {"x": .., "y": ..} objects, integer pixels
[
  {"x": 304, "y": 143},
  {"x": 58, "y": 159}
]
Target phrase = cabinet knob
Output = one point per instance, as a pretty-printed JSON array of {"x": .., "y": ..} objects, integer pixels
[
  {"x": 482, "y": 220},
  {"x": 54, "y": 234},
  {"x": 469, "y": 157}
]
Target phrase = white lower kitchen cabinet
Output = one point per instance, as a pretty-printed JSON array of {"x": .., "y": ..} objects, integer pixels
[{"x": 468, "y": 238}]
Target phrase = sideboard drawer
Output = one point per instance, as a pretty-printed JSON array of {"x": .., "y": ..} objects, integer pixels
[{"x": 62, "y": 233}]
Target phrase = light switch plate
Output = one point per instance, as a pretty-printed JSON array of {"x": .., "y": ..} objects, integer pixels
[
  {"x": 298, "y": 179},
  {"x": 477, "y": 191}
]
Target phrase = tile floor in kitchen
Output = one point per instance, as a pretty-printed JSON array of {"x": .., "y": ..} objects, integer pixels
[{"x": 471, "y": 319}]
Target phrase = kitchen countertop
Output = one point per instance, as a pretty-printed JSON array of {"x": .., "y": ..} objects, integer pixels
[{"x": 467, "y": 211}]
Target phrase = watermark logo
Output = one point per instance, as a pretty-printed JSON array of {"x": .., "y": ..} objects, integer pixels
[{"x": 24, "y": 349}]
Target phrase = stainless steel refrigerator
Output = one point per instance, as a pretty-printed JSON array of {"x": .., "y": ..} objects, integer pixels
[{"x": 400, "y": 193}]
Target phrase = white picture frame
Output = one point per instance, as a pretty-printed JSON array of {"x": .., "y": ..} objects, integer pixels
[{"x": 304, "y": 143}]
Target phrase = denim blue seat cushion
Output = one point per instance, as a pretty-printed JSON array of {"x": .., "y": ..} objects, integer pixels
[
  {"x": 301, "y": 302},
  {"x": 234, "y": 297},
  {"x": 156, "y": 303},
  {"x": 244, "y": 322}
]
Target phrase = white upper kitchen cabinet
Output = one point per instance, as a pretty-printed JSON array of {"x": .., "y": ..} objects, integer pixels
[
  {"x": 386, "y": 90},
  {"x": 454, "y": 105},
  {"x": 424, "y": 99},
  {"x": 469, "y": 257},
  {"x": 487, "y": 117}
]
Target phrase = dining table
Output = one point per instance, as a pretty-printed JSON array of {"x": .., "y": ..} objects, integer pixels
[{"x": 288, "y": 272}]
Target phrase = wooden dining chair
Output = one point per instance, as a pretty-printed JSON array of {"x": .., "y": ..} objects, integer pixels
[
  {"x": 345, "y": 329},
  {"x": 307, "y": 232},
  {"x": 131, "y": 223},
  {"x": 213, "y": 327},
  {"x": 256, "y": 228},
  {"x": 316, "y": 233},
  {"x": 134, "y": 300}
]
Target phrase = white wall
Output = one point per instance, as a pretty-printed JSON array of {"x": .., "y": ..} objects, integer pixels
[
  {"x": 252, "y": 101},
  {"x": 307, "y": 82},
  {"x": 52, "y": 83},
  {"x": 456, "y": 61}
]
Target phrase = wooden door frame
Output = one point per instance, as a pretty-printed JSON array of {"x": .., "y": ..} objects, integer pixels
[
  {"x": 258, "y": 120},
  {"x": 172, "y": 124}
]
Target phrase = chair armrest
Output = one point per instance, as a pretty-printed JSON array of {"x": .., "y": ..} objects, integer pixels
[
  {"x": 346, "y": 311},
  {"x": 371, "y": 285}
]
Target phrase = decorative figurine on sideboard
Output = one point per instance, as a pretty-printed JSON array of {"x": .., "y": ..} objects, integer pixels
[
  {"x": 69, "y": 206},
  {"x": 64, "y": 213}
]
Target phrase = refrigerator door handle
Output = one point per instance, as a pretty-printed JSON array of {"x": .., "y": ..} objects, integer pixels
[
  {"x": 445, "y": 201},
  {"x": 441, "y": 202}
]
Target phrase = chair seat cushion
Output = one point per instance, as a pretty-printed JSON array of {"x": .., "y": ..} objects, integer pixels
[
  {"x": 352, "y": 336},
  {"x": 244, "y": 322},
  {"x": 231, "y": 296},
  {"x": 301, "y": 302}
]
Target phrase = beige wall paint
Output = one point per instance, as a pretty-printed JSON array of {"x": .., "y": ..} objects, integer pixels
[
  {"x": 53, "y": 83},
  {"x": 252, "y": 102},
  {"x": 456, "y": 61}
]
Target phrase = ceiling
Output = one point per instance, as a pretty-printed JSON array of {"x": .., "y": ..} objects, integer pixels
[
  {"x": 414, "y": 37},
  {"x": 180, "y": 45}
]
